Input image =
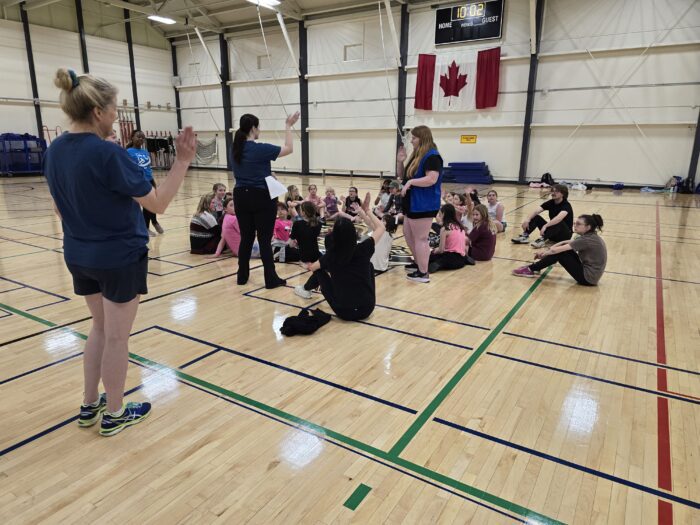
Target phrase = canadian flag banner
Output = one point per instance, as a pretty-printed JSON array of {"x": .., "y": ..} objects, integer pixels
[{"x": 459, "y": 82}]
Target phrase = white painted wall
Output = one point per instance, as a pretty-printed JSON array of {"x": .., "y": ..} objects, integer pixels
[
  {"x": 660, "y": 91},
  {"x": 15, "y": 116}
]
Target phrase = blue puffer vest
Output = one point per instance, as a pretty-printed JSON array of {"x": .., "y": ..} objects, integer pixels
[{"x": 428, "y": 198}]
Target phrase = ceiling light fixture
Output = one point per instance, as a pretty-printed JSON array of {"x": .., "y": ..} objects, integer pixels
[
  {"x": 270, "y": 4},
  {"x": 161, "y": 19}
]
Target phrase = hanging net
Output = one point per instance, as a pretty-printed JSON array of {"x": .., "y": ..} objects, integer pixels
[{"x": 207, "y": 151}]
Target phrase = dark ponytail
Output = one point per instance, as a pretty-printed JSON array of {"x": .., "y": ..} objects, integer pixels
[
  {"x": 595, "y": 221},
  {"x": 245, "y": 124}
]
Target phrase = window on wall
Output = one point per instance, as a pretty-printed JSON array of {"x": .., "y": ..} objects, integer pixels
[
  {"x": 352, "y": 52},
  {"x": 263, "y": 63}
]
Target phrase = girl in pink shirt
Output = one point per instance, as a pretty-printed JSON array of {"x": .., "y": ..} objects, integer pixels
[
  {"x": 230, "y": 232},
  {"x": 449, "y": 255},
  {"x": 314, "y": 198}
]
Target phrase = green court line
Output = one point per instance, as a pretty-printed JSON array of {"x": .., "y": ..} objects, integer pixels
[
  {"x": 425, "y": 415},
  {"x": 356, "y": 497},
  {"x": 328, "y": 433}
]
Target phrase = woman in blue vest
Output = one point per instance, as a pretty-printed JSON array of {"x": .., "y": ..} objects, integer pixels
[{"x": 422, "y": 177}]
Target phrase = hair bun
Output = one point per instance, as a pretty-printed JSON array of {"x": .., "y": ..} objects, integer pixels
[{"x": 63, "y": 80}]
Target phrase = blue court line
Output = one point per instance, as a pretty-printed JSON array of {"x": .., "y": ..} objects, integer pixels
[
  {"x": 48, "y": 304},
  {"x": 198, "y": 359},
  {"x": 287, "y": 369},
  {"x": 456, "y": 345},
  {"x": 606, "y": 354},
  {"x": 595, "y": 378},
  {"x": 581, "y": 468},
  {"x": 32, "y": 233},
  {"x": 23, "y": 254},
  {"x": 437, "y": 318},
  {"x": 188, "y": 266},
  {"x": 49, "y": 430},
  {"x": 39, "y": 368},
  {"x": 609, "y": 271},
  {"x": 12, "y": 289},
  {"x": 340, "y": 445},
  {"x": 35, "y": 288},
  {"x": 27, "y": 244},
  {"x": 7, "y": 314}
]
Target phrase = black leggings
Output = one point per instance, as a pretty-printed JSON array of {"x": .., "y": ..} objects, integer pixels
[
  {"x": 569, "y": 260},
  {"x": 446, "y": 261},
  {"x": 149, "y": 216},
  {"x": 345, "y": 313},
  {"x": 256, "y": 213},
  {"x": 557, "y": 233}
]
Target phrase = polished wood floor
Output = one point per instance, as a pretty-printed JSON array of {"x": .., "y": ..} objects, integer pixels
[{"x": 478, "y": 398}]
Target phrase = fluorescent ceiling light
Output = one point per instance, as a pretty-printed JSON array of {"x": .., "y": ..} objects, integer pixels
[
  {"x": 161, "y": 19},
  {"x": 270, "y": 4}
]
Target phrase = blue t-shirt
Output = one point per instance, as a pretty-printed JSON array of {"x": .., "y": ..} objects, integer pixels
[
  {"x": 255, "y": 164},
  {"x": 92, "y": 182},
  {"x": 143, "y": 159}
]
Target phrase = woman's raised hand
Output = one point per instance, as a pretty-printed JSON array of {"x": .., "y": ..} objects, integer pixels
[
  {"x": 292, "y": 119},
  {"x": 401, "y": 154},
  {"x": 186, "y": 145}
]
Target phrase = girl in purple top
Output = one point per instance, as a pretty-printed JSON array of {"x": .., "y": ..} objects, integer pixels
[{"x": 482, "y": 238}]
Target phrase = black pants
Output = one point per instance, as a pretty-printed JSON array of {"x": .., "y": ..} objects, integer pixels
[
  {"x": 256, "y": 217},
  {"x": 569, "y": 260},
  {"x": 345, "y": 313},
  {"x": 557, "y": 233},
  {"x": 312, "y": 283},
  {"x": 148, "y": 216},
  {"x": 445, "y": 261}
]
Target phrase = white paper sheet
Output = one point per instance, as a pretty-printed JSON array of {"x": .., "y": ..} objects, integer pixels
[{"x": 275, "y": 187}]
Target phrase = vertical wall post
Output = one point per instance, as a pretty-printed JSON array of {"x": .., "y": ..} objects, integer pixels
[
  {"x": 403, "y": 45},
  {"x": 130, "y": 44},
  {"x": 692, "y": 170},
  {"x": 226, "y": 98},
  {"x": 531, "y": 86},
  {"x": 304, "y": 96},
  {"x": 81, "y": 32},
  {"x": 178, "y": 112},
  {"x": 32, "y": 71}
]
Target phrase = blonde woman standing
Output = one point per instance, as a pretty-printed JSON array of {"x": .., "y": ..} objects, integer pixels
[
  {"x": 98, "y": 192},
  {"x": 422, "y": 177}
]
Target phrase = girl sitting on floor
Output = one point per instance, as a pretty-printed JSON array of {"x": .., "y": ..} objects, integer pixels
[
  {"x": 205, "y": 230},
  {"x": 482, "y": 237},
  {"x": 314, "y": 198},
  {"x": 305, "y": 235},
  {"x": 584, "y": 258},
  {"x": 449, "y": 255},
  {"x": 497, "y": 211},
  {"x": 230, "y": 231},
  {"x": 292, "y": 199}
]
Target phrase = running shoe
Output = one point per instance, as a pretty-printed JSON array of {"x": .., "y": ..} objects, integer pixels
[
  {"x": 131, "y": 414},
  {"x": 158, "y": 228},
  {"x": 418, "y": 277},
  {"x": 303, "y": 292},
  {"x": 90, "y": 414},
  {"x": 523, "y": 271},
  {"x": 539, "y": 243},
  {"x": 520, "y": 239}
]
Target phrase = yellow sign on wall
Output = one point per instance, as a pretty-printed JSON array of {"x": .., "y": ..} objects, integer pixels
[{"x": 467, "y": 139}]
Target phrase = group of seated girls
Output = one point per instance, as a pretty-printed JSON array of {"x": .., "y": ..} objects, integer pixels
[{"x": 214, "y": 225}]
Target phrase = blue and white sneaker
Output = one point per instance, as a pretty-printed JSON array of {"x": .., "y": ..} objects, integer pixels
[
  {"x": 131, "y": 414},
  {"x": 90, "y": 414}
]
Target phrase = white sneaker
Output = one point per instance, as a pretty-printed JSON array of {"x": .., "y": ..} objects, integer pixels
[
  {"x": 539, "y": 243},
  {"x": 303, "y": 292}
]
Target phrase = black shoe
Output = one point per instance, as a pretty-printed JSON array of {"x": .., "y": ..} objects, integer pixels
[
  {"x": 418, "y": 277},
  {"x": 411, "y": 267},
  {"x": 276, "y": 284},
  {"x": 468, "y": 261}
]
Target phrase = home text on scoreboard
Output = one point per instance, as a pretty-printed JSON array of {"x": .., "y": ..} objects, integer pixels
[{"x": 469, "y": 22}]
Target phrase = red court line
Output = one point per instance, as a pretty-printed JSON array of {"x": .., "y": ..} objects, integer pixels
[{"x": 665, "y": 509}]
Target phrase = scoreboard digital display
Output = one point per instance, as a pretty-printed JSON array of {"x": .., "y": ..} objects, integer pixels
[{"x": 468, "y": 22}]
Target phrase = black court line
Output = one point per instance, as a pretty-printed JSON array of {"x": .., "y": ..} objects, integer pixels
[
  {"x": 367, "y": 323},
  {"x": 32, "y": 233},
  {"x": 287, "y": 369},
  {"x": 606, "y": 354},
  {"x": 595, "y": 378},
  {"x": 39, "y": 368},
  {"x": 49, "y": 430},
  {"x": 570, "y": 464},
  {"x": 7, "y": 314},
  {"x": 62, "y": 298}
]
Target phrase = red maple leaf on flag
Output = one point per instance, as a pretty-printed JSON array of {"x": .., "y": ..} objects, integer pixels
[{"x": 453, "y": 82}]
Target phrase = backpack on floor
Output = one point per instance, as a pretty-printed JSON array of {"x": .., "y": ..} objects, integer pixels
[{"x": 547, "y": 179}]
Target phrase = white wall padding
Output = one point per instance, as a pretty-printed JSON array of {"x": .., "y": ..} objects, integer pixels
[
  {"x": 17, "y": 117},
  {"x": 154, "y": 83}
]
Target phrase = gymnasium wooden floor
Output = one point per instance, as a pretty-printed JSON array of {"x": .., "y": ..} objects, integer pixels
[{"x": 479, "y": 398}]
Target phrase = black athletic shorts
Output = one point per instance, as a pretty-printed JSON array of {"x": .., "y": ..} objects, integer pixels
[{"x": 119, "y": 285}]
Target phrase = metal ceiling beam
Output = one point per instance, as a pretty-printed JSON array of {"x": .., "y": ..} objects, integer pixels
[{"x": 149, "y": 11}]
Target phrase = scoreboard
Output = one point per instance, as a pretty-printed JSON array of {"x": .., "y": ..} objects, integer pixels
[{"x": 468, "y": 22}]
